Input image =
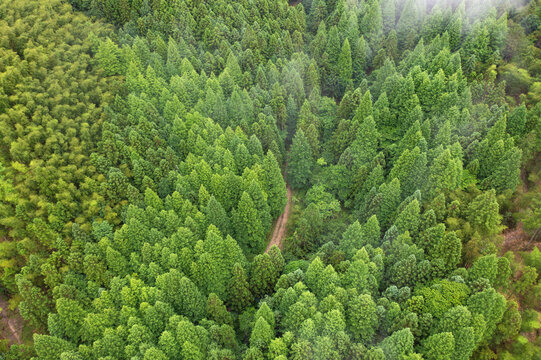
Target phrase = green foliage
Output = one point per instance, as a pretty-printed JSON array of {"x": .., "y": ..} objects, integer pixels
[
  {"x": 445, "y": 173},
  {"x": 363, "y": 319},
  {"x": 238, "y": 289},
  {"x": 439, "y": 346},
  {"x": 300, "y": 161},
  {"x": 397, "y": 345},
  {"x": 262, "y": 334},
  {"x": 182, "y": 294},
  {"x": 275, "y": 185},
  {"x": 136, "y": 196},
  {"x": 248, "y": 228}
]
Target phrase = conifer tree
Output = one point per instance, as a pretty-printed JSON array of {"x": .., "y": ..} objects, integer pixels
[
  {"x": 484, "y": 213},
  {"x": 318, "y": 13},
  {"x": 388, "y": 14},
  {"x": 365, "y": 145},
  {"x": 411, "y": 170},
  {"x": 352, "y": 239},
  {"x": 262, "y": 334},
  {"x": 360, "y": 58},
  {"x": 407, "y": 24},
  {"x": 238, "y": 290},
  {"x": 362, "y": 317},
  {"x": 108, "y": 56},
  {"x": 182, "y": 294},
  {"x": 299, "y": 168},
  {"x": 217, "y": 216},
  {"x": 249, "y": 231},
  {"x": 390, "y": 199},
  {"x": 370, "y": 23},
  {"x": 266, "y": 313},
  {"x": 372, "y": 231},
  {"x": 409, "y": 218},
  {"x": 398, "y": 344},
  {"x": 439, "y": 346},
  {"x": 445, "y": 173},
  {"x": 263, "y": 276},
  {"x": 345, "y": 69},
  {"x": 216, "y": 310},
  {"x": 333, "y": 50}
]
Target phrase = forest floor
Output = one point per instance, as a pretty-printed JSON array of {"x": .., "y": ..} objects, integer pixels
[
  {"x": 11, "y": 323},
  {"x": 280, "y": 228},
  {"x": 515, "y": 238}
]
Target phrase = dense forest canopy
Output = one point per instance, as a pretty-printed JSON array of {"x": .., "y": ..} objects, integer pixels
[{"x": 148, "y": 148}]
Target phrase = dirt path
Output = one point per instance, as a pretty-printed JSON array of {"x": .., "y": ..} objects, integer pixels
[
  {"x": 11, "y": 323},
  {"x": 281, "y": 225}
]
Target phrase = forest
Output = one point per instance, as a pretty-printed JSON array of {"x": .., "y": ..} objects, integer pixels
[{"x": 270, "y": 180}]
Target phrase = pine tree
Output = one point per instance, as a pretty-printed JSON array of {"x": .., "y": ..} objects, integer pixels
[
  {"x": 238, "y": 291},
  {"x": 360, "y": 58},
  {"x": 484, "y": 213},
  {"x": 333, "y": 50},
  {"x": 262, "y": 334},
  {"x": 300, "y": 162},
  {"x": 345, "y": 69},
  {"x": 249, "y": 231},
  {"x": 318, "y": 13},
  {"x": 445, "y": 173},
  {"x": 388, "y": 14},
  {"x": 409, "y": 218},
  {"x": 406, "y": 27},
  {"x": 108, "y": 57},
  {"x": 398, "y": 344},
  {"x": 217, "y": 216},
  {"x": 352, "y": 239},
  {"x": 362, "y": 317},
  {"x": 365, "y": 146},
  {"x": 439, "y": 346},
  {"x": 390, "y": 199},
  {"x": 370, "y": 23},
  {"x": 260, "y": 202},
  {"x": 263, "y": 276},
  {"x": 274, "y": 185}
]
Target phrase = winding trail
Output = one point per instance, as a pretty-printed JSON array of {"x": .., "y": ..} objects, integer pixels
[{"x": 281, "y": 224}]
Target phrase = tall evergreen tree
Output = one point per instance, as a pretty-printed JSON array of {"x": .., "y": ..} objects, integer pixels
[
  {"x": 299, "y": 168},
  {"x": 249, "y": 231},
  {"x": 345, "y": 69},
  {"x": 238, "y": 290}
]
